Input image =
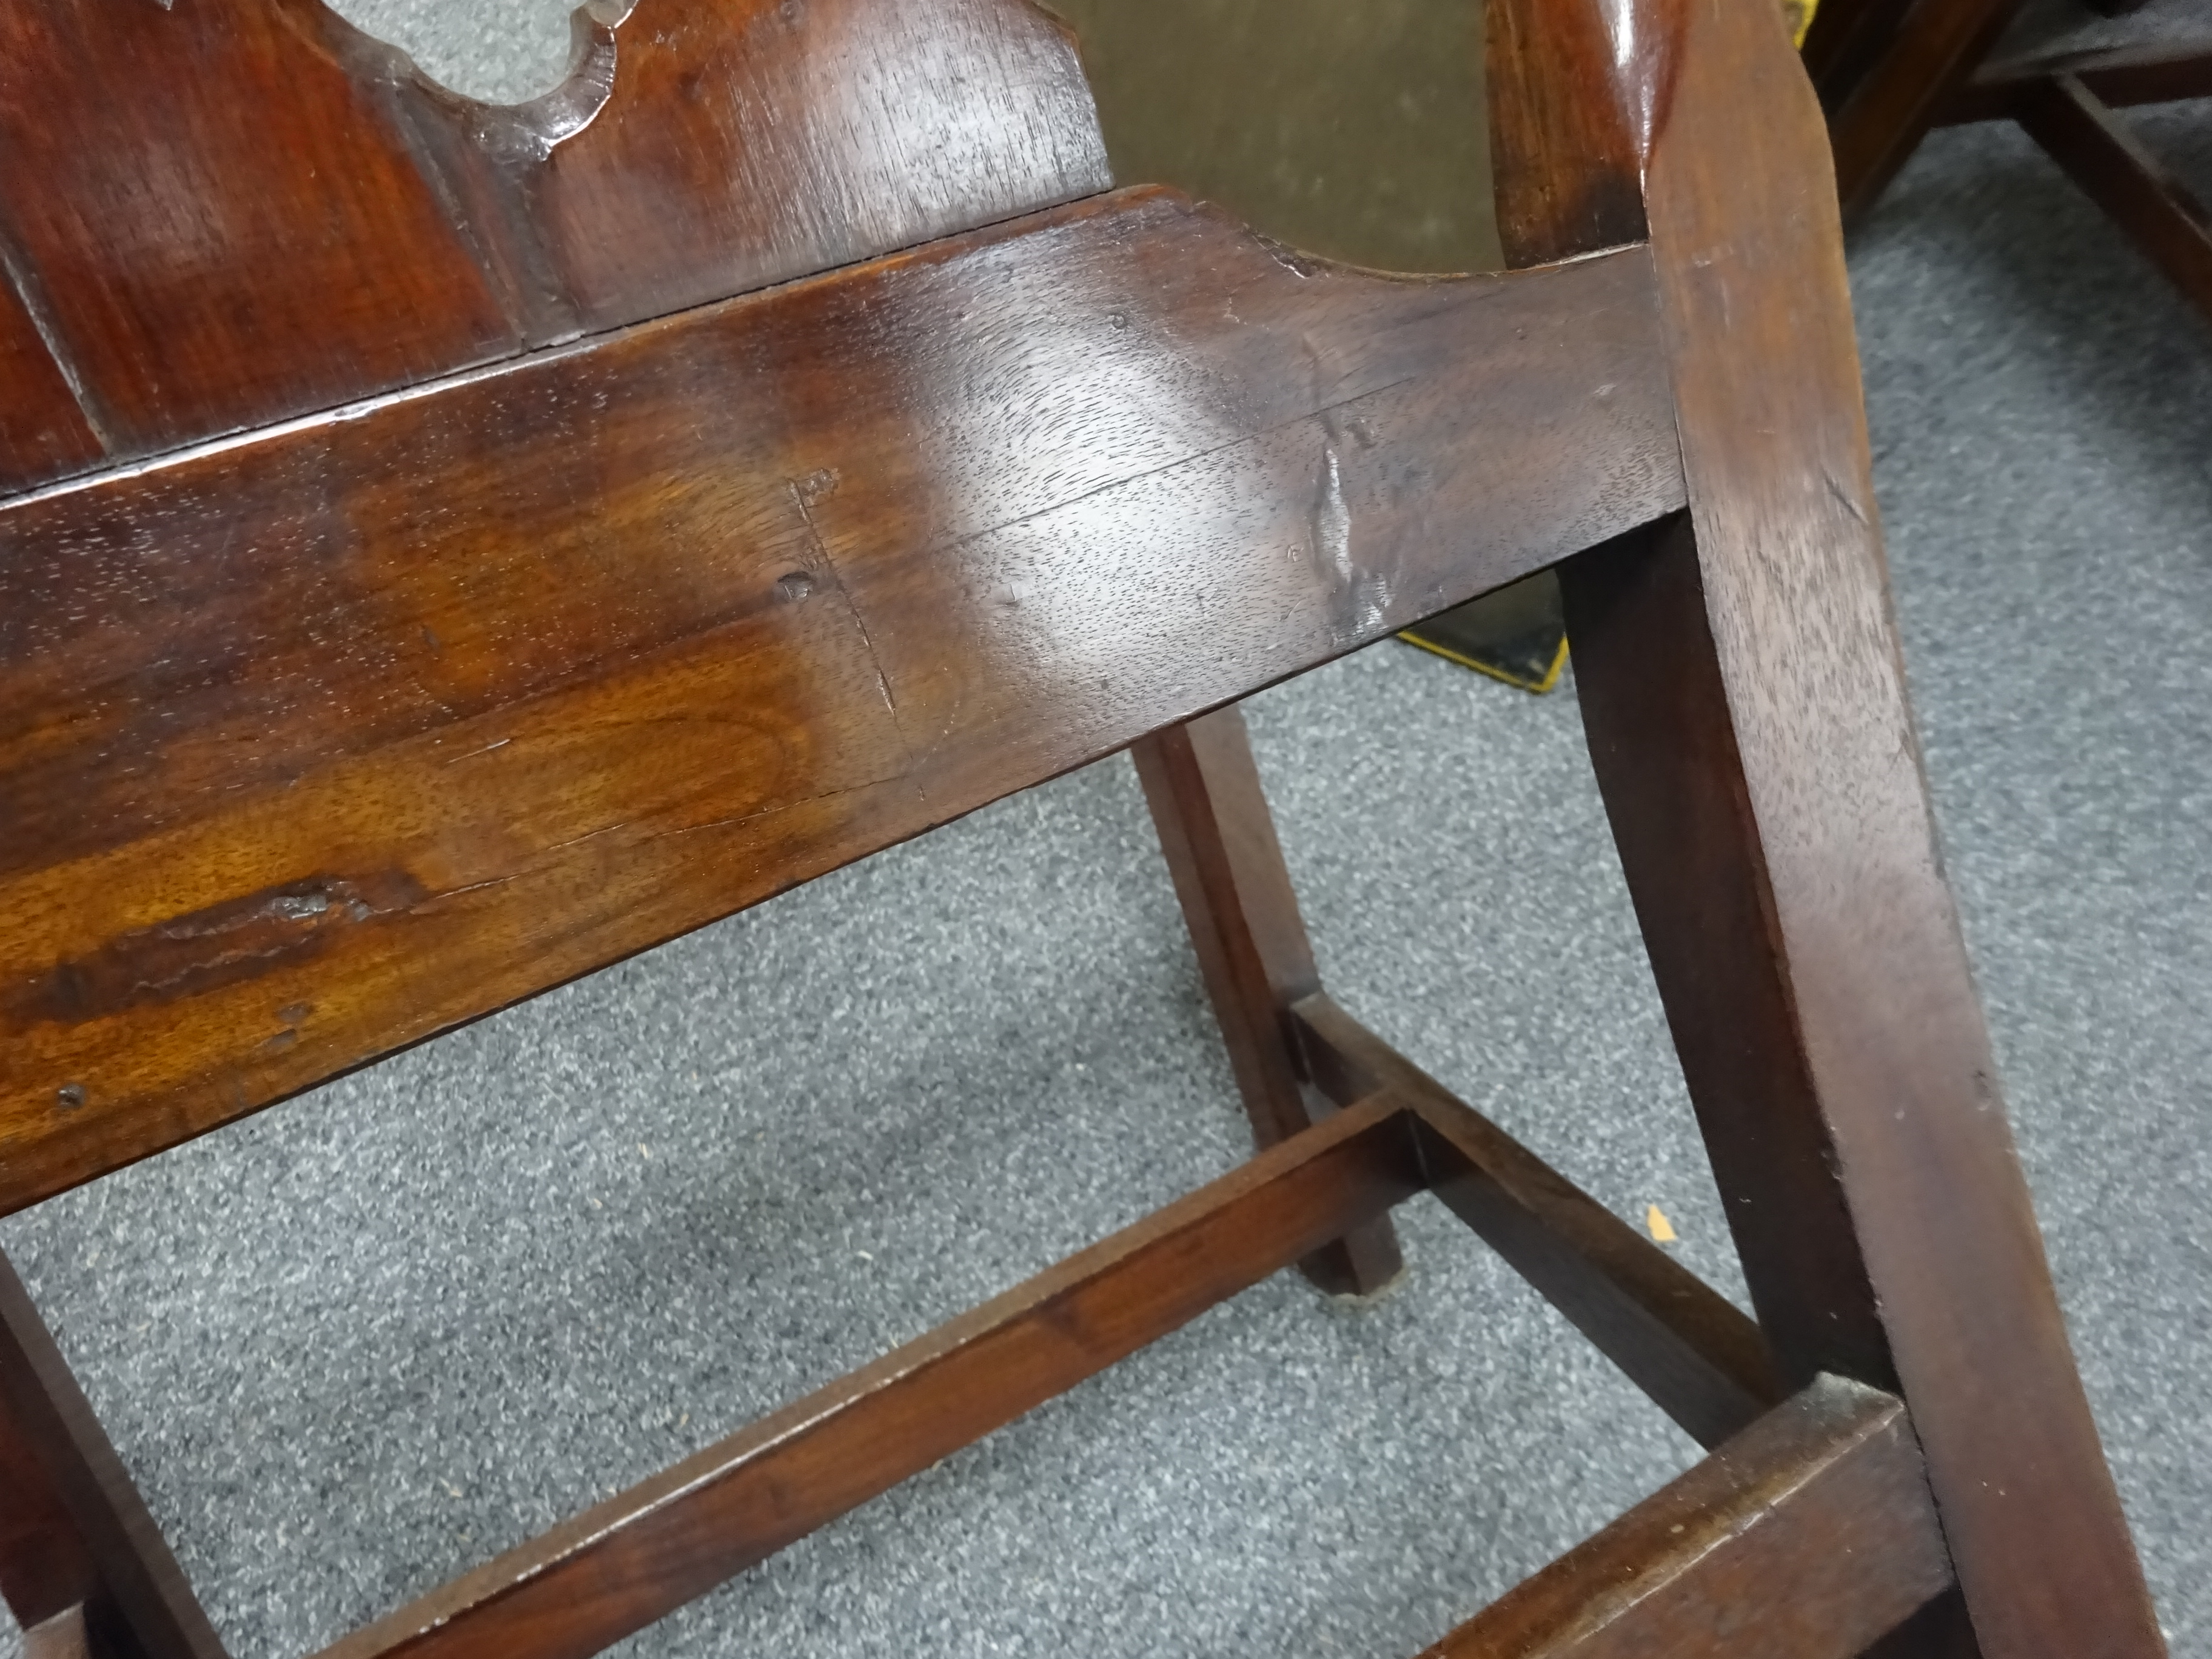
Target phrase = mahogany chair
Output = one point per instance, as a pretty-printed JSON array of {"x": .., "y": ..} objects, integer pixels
[
  {"x": 446, "y": 549},
  {"x": 1889, "y": 70}
]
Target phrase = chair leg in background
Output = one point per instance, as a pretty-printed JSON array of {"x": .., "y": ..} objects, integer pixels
[{"x": 1204, "y": 790}]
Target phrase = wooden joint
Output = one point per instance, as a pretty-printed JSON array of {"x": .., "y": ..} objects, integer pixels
[
  {"x": 2121, "y": 76},
  {"x": 1702, "y": 1359},
  {"x": 1810, "y": 1534},
  {"x": 2139, "y": 192}
]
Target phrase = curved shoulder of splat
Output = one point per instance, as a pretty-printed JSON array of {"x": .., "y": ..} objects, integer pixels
[
  {"x": 1578, "y": 91},
  {"x": 219, "y": 213}
]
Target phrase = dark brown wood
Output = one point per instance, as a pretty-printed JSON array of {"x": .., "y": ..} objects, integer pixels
[
  {"x": 1845, "y": 37},
  {"x": 1687, "y": 1346},
  {"x": 2160, "y": 213},
  {"x": 169, "y": 201},
  {"x": 1810, "y": 1533},
  {"x": 1878, "y": 120},
  {"x": 43, "y": 432},
  {"x": 647, "y": 630},
  {"x": 618, "y": 1567},
  {"x": 551, "y": 602},
  {"x": 1926, "y": 74},
  {"x": 1554, "y": 93},
  {"x": 80, "y": 1560},
  {"x": 1203, "y": 787},
  {"x": 1739, "y": 682},
  {"x": 2161, "y": 73}
]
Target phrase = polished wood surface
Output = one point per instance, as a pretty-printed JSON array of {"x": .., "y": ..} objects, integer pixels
[
  {"x": 591, "y": 519},
  {"x": 1220, "y": 841},
  {"x": 374, "y": 766},
  {"x": 1747, "y": 719},
  {"x": 170, "y": 219},
  {"x": 1810, "y": 1533}
]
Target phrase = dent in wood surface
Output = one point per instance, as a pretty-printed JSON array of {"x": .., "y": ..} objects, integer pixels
[
  {"x": 644, "y": 631},
  {"x": 233, "y": 211}
]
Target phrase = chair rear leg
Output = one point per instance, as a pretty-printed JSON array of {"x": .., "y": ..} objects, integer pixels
[
  {"x": 1219, "y": 839},
  {"x": 83, "y": 1567},
  {"x": 1738, "y": 679}
]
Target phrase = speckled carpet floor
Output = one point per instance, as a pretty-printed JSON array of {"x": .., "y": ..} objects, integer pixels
[{"x": 396, "y": 1326}]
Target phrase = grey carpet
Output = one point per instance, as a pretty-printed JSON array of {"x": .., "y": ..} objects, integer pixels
[{"x": 358, "y": 1342}]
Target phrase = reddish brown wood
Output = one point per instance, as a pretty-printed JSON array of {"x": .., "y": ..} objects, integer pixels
[
  {"x": 1203, "y": 787},
  {"x": 1748, "y": 721},
  {"x": 2160, "y": 213},
  {"x": 1681, "y": 1342},
  {"x": 1554, "y": 93},
  {"x": 837, "y": 130},
  {"x": 617, "y": 1568},
  {"x": 42, "y": 433},
  {"x": 643, "y": 632},
  {"x": 155, "y": 153},
  {"x": 235, "y": 211},
  {"x": 2064, "y": 101},
  {"x": 321, "y": 738},
  {"x": 1809, "y": 1534},
  {"x": 80, "y": 1560}
]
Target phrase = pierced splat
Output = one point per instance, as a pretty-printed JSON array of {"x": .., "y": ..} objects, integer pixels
[
  {"x": 225, "y": 212},
  {"x": 323, "y": 738}
]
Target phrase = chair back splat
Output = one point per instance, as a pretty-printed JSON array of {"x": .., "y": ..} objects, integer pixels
[{"x": 445, "y": 549}]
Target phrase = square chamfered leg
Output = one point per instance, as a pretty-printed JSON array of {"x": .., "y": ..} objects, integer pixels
[
  {"x": 1219, "y": 839},
  {"x": 1739, "y": 675},
  {"x": 84, "y": 1570}
]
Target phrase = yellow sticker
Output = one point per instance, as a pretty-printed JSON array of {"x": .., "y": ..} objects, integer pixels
[{"x": 1661, "y": 1229}]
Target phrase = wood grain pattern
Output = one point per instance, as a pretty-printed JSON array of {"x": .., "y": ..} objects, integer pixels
[
  {"x": 162, "y": 158},
  {"x": 234, "y": 211},
  {"x": 42, "y": 433},
  {"x": 648, "y": 630},
  {"x": 618, "y": 1567},
  {"x": 1684, "y": 1344},
  {"x": 1203, "y": 787},
  {"x": 1585, "y": 81},
  {"x": 80, "y": 1560},
  {"x": 1786, "y": 792},
  {"x": 1810, "y": 1535}
]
